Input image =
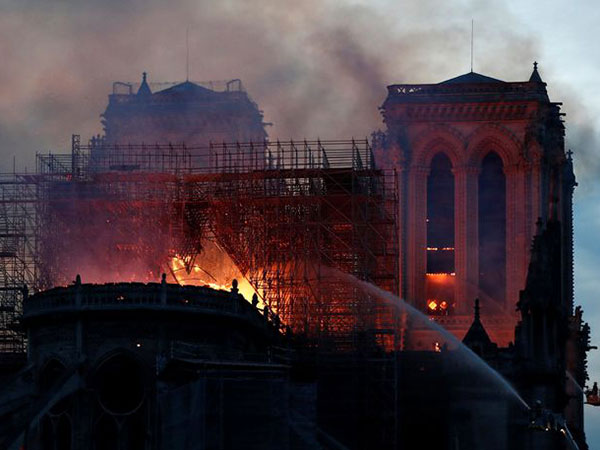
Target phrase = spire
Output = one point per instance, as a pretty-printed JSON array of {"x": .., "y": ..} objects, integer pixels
[
  {"x": 144, "y": 88},
  {"x": 535, "y": 76},
  {"x": 477, "y": 338}
]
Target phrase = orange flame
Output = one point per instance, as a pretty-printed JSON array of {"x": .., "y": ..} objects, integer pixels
[{"x": 213, "y": 269}]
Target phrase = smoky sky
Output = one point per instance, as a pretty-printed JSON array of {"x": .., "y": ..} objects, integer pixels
[{"x": 316, "y": 68}]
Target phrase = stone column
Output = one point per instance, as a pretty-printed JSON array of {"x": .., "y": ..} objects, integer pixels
[
  {"x": 416, "y": 224},
  {"x": 466, "y": 239},
  {"x": 528, "y": 223},
  {"x": 514, "y": 234}
]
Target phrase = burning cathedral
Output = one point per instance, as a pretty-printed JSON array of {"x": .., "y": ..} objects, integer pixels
[{"x": 182, "y": 281}]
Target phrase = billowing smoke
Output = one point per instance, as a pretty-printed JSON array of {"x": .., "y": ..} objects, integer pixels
[
  {"x": 316, "y": 68},
  {"x": 583, "y": 138}
]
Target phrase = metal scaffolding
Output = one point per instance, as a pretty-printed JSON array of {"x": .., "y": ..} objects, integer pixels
[
  {"x": 18, "y": 252},
  {"x": 294, "y": 217}
]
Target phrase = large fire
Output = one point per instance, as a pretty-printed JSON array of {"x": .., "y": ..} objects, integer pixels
[
  {"x": 106, "y": 233},
  {"x": 201, "y": 275}
]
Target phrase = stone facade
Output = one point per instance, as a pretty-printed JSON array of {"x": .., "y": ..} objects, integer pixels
[{"x": 468, "y": 119}]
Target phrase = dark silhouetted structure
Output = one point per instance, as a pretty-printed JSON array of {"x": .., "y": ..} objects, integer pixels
[
  {"x": 191, "y": 113},
  {"x": 138, "y": 366}
]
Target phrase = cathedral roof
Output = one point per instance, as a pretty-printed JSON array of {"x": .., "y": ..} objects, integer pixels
[
  {"x": 471, "y": 77},
  {"x": 535, "y": 75},
  {"x": 188, "y": 90},
  {"x": 468, "y": 88}
]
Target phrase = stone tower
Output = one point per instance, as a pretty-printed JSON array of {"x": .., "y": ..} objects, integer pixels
[
  {"x": 479, "y": 161},
  {"x": 185, "y": 112}
]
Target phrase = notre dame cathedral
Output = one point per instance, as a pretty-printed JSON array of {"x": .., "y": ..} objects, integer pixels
[{"x": 490, "y": 353}]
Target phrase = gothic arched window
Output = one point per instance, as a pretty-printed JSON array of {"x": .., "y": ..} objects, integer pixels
[
  {"x": 440, "y": 237},
  {"x": 492, "y": 229}
]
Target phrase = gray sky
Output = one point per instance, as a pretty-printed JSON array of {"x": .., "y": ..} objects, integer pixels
[
  {"x": 316, "y": 68},
  {"x": 567, "y": 35}
]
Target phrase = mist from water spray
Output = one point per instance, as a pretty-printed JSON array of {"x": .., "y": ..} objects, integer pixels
[{"x": 475, "y": 361}]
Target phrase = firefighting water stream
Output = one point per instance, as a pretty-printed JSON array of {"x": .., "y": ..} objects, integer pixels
[
  {"x": 575, "y": 383},
  {"x": 461, "y": 354}
]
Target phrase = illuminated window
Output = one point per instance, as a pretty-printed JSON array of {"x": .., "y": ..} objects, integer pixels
[
  {"x": 439, "y": 281},
  {"x": 440, "y": 216},
  {"x": 439, "y": 307}
]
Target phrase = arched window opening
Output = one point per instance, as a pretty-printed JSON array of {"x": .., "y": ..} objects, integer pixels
[
  {"x": 121, "y": 391},
  {"x": 120, "y": 385},
  {"x": 492, "y": 230},
  {"x": 439, "y": 285}
]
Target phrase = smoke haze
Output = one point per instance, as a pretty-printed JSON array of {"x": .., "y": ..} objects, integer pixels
[{"x": 316, "y": 68}]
